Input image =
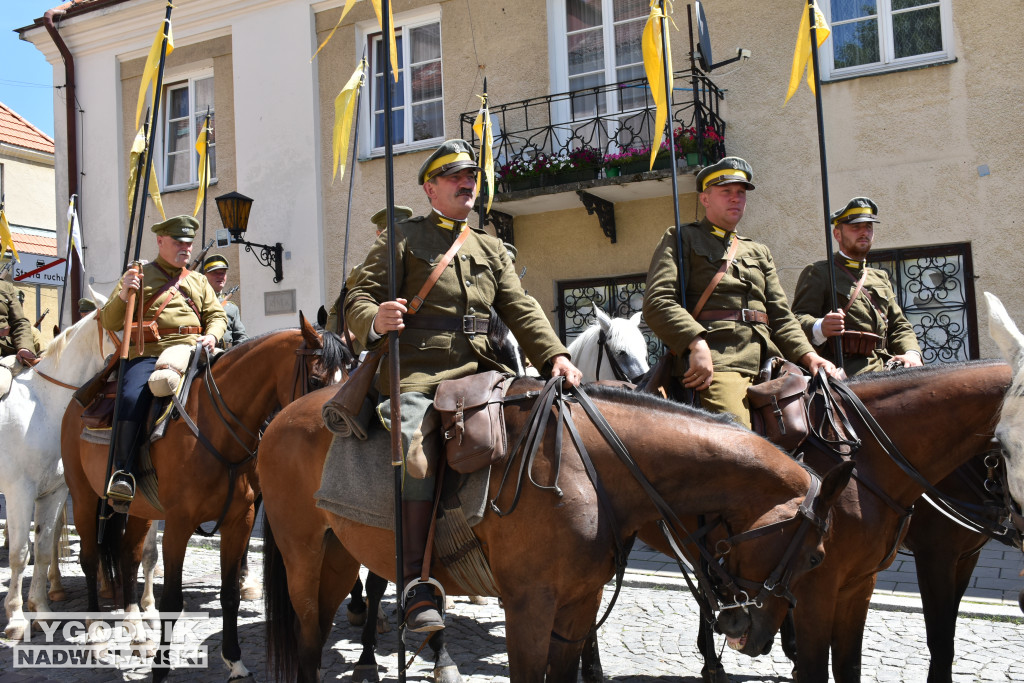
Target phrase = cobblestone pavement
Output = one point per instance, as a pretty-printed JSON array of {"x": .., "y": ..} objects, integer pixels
[{"x": 649, "y": 636}]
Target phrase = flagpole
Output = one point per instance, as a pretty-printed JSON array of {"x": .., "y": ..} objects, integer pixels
[
  {"x": 351, "y": 179},
  {"x": 205, "y": 173},
  {"x": 672, "y": 147},
  {"x": 837, "y": 341},
  {"x": 135, "y": 193},
  {"x": 67, "y": 260},
  {"x": 103, "y": 512},
  {"x": 483, "y": 136},
  {"x": 394, "y": 366}
]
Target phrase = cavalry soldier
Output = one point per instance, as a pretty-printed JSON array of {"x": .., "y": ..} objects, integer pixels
[
  {"x": 215, "y": 268},
  {"x": 380, "y": 221},
  {"x": 15, "y": 328},
  {"x": 183, "y": 308},
  {"x": 741, "y": 314},
  {"x": 865, "y": 296},
  {"x": 445, "y": 339}
]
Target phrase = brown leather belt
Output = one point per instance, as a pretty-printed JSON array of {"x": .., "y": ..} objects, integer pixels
[
  {"x": 743, "y": 315},
  {"x": 5, "y": 332},
  {"x": 467, "y": 324},
  {"x": 184, "y": 329}
]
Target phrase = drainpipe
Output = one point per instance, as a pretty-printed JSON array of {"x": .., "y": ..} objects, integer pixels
[{"x": 75, "y": 272}]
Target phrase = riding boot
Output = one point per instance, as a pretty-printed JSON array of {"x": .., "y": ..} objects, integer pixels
[
  {"x": 121, "y": 489},
  {"x": 421, "y": 612}
]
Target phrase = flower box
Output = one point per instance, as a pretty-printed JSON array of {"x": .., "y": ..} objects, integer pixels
[
  {"x": 574, "y": 175},
  {"x": 525, "y": 183}
]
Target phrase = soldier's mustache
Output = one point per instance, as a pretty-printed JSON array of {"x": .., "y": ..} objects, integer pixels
[{"x": 464, "y": 191}]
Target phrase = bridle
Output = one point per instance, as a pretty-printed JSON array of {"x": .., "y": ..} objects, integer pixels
[
  {"x": 717, "y": 583},
  {"x": 113, "y": 338},
  {"x": 602, "y": 344}
]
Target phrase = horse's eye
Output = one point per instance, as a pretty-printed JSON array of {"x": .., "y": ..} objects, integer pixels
[{"x": 816, "y": 559}]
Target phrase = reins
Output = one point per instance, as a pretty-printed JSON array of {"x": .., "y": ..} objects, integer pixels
[{"x": 551, "y": 399}]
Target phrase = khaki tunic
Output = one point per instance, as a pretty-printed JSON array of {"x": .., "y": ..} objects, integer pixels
[
  {"x": 874, "y": 310},
  {"x": 750, "y": 282},
  {"x": 480, "y": 276},
  {"x": 12, "y": 316},
  {"x": 176, "y": 314}
]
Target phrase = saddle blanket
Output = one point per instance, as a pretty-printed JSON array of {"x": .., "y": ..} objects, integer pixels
[{"x": 358, "y": 483}]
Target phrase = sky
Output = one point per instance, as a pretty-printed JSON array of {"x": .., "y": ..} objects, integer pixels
[{"x": 26, "y": 78}]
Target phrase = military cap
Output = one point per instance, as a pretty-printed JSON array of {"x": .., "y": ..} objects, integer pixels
[
  {"x": 450, "y": 157},
  {"x": 181, "y": 228},
  {"x": 511, "y": 251},
  {"x": 859, "y": 210},
  {"x": 215, "y": 262},
  {"x": 86, "y": 305},
  {"x": 728, "y": 170},
  {"x": 380, "y": 219}
]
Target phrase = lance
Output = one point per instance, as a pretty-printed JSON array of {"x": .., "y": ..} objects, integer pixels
[
  {"x": 67, "y": 261},
  {"x": 135, "y": 193},
  {"x": 394, "y": 366},
  {"x": 672, "y": 148},
  {"x": 103, "y": 513},
  {"x": 483, "y": 136},
  {"x": 204, "y": 177},
  {"x": 348, "y": 209},
  {"x": 837, "y": 341}
]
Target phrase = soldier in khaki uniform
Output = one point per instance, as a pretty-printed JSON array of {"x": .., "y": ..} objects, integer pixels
[
  {"x": 192, "y": 314},
  {"x": 15, "y": 328},
  {"x": 745, "y": 320},
  {"x": 873, "y": 310},
  {"x": 215, "y": 268},
  {"x": 446, "y": 339}
]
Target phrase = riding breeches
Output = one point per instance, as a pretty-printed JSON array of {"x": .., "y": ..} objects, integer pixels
[
  {"x": 421, "y": 448},
  {"x": 135, "y": 394},
  {"x": 728, "y": 394}
]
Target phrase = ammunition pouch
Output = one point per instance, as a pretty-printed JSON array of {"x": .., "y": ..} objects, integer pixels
[
  {"x": 778, "y": 404},
  {"x": 473, "y": 420}
]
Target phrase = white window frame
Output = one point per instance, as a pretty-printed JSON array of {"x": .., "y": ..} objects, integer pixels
[
  {"x": 188, "y": 80},
  {"x": 404, "y": 22},
  {"x": 888, "y": 61}
]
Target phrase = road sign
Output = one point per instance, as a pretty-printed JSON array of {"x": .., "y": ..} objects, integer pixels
[{"x": 40, "y": 270}]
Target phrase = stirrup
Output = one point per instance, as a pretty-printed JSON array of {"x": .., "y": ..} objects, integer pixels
[
  {"x": 431, "y": 581},
  {"x": 117, "y": 495}
]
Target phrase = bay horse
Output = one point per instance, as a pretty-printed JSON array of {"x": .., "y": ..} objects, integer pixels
[
  {"x": 252, "y": 381},
  {"x": 31, "y": 472},
  {"x": 553, "y": 555}
]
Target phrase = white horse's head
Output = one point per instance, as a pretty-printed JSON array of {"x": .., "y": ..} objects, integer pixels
[
  {"x": 77, "y": 353},
  {"x": 1010, "y": 430},
  {"x": 623, "y": 345}
]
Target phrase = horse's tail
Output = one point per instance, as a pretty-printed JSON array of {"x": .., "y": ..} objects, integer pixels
[
  {"x": 110, "y": 548},
  {"x": 279, "y": 613}
]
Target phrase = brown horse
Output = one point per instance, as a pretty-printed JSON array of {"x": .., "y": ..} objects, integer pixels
[
  {"x": 938, "y": 417},
  {"x": 551, "y": 557},
  {"x": 254, "y": 379}
]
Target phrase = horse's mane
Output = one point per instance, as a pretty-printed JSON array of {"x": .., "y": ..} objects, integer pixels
[
  {"x": 332, "y": 357},
  {"x": 584, "y": 340},
  {"x": 58, "y": 344},
  {"x": 923, "y": 373}
]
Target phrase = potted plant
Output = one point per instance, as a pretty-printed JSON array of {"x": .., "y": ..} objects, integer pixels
[
  {"x": 576, "y": 166},
  {"x": 524, "y": 173}
]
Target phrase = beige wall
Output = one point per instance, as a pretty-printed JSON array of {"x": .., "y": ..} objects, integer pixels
[
  {"x": 215, "y": 53},
  {"x": 28, "y": 192}
]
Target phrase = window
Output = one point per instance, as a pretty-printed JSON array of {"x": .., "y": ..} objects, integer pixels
[
  {"x": 185, "y": 107},
  {"x": 935, "y": 288},
  {"x": 871, "y": 36},
  {"x": 619, "y": 297},
  {"x": 417, "y": 100}
]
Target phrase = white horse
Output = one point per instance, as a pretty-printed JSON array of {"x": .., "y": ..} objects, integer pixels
[
  {"x": 31, "y": 471},
  {"x": 1010, "y": 430},
  {"x": 611, "y": 348}
]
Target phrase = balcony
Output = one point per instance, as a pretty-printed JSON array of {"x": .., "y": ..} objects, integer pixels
[{"x": 608, "y": 119}]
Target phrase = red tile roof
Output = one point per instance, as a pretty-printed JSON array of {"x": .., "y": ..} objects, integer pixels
[
  {"x": 15, "y": 130},
  {"x": 34, "y": 244}
]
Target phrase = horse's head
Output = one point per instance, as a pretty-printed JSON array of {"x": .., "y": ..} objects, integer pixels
[
  {"x": 765, "y": 561},
  {"x": 1010, "y": 430},
  {"x": 611, "y": 348},
  {"x": 322, "y": 354}
]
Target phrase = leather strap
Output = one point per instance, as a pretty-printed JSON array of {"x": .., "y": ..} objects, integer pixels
[
  {"x": 729, "y": 258},
  {"x": 417, "y": 300},
  {"x": 745, "y": 315},
  {"x": 856, "y": 290},
  {"x": 184, "y": 329},
  {"x": 468, "y": 324}
]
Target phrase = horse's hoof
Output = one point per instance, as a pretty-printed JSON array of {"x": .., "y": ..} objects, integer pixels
[
  {"x": 251, "y": 593},
  {"x": 356, "y": 618},
  {"x": 15, "y": 630},
  {"x": 236, "y": 670},
  {"x": 57, "y": 595},
  {"x": 478, "y": 599},
  {"x": 365, "y": 673},
  {"x": 447, "y": 674},
  {"x": 716, "y": 675}
]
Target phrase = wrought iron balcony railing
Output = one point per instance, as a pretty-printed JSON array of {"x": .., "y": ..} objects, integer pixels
[{"x": 610, "y": 119}]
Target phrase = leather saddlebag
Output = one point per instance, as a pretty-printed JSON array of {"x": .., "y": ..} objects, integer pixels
[
  {"x": 472, "y": 420},
  {"x": 342, "y": 412},
  {"x": 99, "y": 414},
  {"x": 778, "y": 404}
]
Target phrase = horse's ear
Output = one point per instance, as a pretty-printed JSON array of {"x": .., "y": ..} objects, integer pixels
[
  {"x": 1004, "y": 332},
  {"x": 636, "y": 318},
  {"x": 833, "y": 484},
  {"x": 602, "y": 318},
  {"x": 321, "y": 316},
  {"x": 97, "y": 297},
  {"x": 309, "y": 333}
]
